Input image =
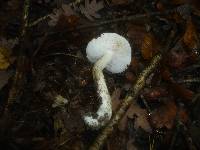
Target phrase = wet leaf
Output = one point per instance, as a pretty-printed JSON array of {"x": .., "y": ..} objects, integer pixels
[
  {"x": 166, "y": 114},
  {"x": 154, "y": 94},
  {"x": 182, "y": 91},
  {"x": 4, "y": 77},
  {"x": 178, "y": 59},
  {"x": 64, "y": 15},
  {"x": 90, "y": 9},
  {"x": 5, "y": 58},
  {"x": 190, "y": 37},
  {"x": 139, "y": 115},
  {"x": 149, "y": 46},
  {"x": 136, "y": 34}
]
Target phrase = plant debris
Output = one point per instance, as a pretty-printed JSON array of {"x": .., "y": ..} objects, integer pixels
[{"x": 46, "y": 83}]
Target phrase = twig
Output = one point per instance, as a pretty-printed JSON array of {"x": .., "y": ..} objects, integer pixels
[
  {"x": 19, "y": 77},
  {"x": 126, "y": 103},
  {"x": 64, "y": 54},
  {"x": 193, "y": 80},
  {"x": 38, "y": 21}
]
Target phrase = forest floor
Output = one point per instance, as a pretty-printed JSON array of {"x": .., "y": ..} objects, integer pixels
[{"x": 46, "y": 83}]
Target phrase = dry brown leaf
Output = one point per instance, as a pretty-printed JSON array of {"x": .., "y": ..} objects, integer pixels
[
  {"x": 4, "y": 61},
  {"x": 4, "y": 77},
  {"x": 139, "y": 115},
  {"x": 165, "y": 115},
  {"x": 5, "y": 58},
  {"x": 149, "y": 46},
  {"x": 136, "y": 34},
  {"x": 65, "y": 13},
  {"x": 90, "y": 9},
  {"x": 190, "y": 37},
  {"x": 178, "y": 60},
  {"x": 153, "y": 94}
]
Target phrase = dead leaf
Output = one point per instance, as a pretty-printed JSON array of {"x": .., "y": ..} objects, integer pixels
[
  {"x": 177, "y": 89},
  {"x": 166, "y": 114},
  {"x": 182, "y": 91},
  {"x": 140, "y": 118},
  {"x": 190, "y": 37},
  {"x": 90, "y": 9},
  {"x": 178, "y": 60},
  {"x": 149, "y": 46},
  {"x": 153, "y": 94},
  {"x": 6, "y": 57},
  {"x": 4, "y": 60},
  {"x": 136, "y": 34},
  {"x": 64, "y": 14},
  {"x": 4, "y": 77}
]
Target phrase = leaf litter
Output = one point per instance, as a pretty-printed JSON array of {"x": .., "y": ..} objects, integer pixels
[{"x": 60, "y": 89}]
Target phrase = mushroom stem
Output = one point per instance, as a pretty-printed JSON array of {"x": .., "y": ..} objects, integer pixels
[{"x": 104, "y": 112}]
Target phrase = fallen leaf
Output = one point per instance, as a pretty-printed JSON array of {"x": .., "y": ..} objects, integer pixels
[
  {"x": 182, "y": 91},
  {"x": 136, "y": 34},
  {"x": 5, "y": 52},
  {"x": 90, "y": 9},
  {"x": 149, "y": 46},
  {"x": 64, "y": 15},
  {"x": 177, "y": 89},
  {"x": 190, "y": 37},
  {"x": 5, "y": 58},
  {"x": 178, "y": 60},
  {"x": 166, "y": 114},
  {"x": 139, "y": 115},
  {"x": 153, "y": 94},
  {"x": 4, "y": 77}
]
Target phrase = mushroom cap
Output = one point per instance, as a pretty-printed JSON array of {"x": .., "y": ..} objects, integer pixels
[{"x": 110, "y": 42}]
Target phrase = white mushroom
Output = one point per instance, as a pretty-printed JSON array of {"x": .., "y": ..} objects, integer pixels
[{"x": 113, "y": 52}]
